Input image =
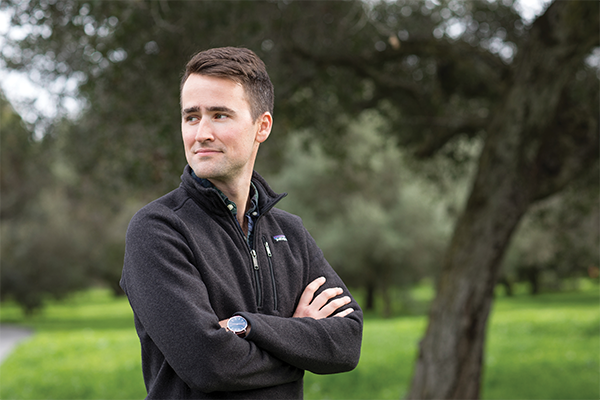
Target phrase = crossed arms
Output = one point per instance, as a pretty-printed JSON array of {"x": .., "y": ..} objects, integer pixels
[{"x": 316, "y": 307}]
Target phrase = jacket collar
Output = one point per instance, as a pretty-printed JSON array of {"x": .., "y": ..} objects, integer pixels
[{"x": 209, "y": 197}]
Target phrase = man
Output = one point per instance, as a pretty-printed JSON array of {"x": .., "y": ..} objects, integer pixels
[{"x": 231, "y": 296}]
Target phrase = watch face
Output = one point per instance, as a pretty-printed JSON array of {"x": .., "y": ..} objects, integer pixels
[{"x": 237, "y": 324}]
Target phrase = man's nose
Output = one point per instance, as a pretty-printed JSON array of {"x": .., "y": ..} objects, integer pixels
[{"x": 204, "y": 131}]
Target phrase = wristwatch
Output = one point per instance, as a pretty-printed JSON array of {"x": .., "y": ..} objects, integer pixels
[{"x": 238, "y": 325}]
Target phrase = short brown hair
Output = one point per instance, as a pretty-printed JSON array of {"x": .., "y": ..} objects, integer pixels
[{"x": 240, "y": 65}]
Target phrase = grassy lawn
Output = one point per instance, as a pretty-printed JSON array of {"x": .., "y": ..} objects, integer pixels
[
  {"x": 543, "y": 347},
  {"x": 84, "y": 348}
]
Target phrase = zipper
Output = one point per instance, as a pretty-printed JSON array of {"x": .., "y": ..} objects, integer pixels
[
  {"x": 257, "y": 278},
  {"x": 255, "y": 266},
  {"x": 269, "y": 257},
  {"x": 253, "y": 252}
]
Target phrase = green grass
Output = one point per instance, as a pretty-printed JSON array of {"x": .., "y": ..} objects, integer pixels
[
  {"x": 543, "y": 347},
  {"x": 84, "y": 348}
]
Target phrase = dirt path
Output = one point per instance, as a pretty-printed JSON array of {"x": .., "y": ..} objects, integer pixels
[{"x": 10, "y": 336}]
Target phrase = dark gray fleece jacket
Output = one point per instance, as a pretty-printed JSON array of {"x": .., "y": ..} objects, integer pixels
[{"x": 187, "y": 266}]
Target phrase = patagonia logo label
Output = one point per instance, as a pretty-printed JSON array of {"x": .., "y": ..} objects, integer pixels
[{"x": 280, "y": 238}]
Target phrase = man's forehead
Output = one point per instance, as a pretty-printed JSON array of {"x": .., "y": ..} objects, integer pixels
[
  {"x": 206, "y": 91},
  {"x": 195, "y": 79}
]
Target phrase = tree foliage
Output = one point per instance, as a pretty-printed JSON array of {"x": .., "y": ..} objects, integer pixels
[
  {"x": 557, "y": 240},
  {"x": 41, "y": 252},
  {"x": 18, "y": 154},
  {"x": 380, "y": 225},
  {"x": 56, "y": 236}
]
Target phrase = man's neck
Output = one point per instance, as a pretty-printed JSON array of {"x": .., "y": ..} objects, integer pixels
[{"x": 239, "y": 193}]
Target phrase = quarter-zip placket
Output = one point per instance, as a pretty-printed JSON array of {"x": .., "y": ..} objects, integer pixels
[{"x": 253, "y": 255}]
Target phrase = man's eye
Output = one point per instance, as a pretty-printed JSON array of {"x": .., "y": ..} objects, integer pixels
[
  {"x": 220, "y": 116},
  {"x": 191, "y": 118}
]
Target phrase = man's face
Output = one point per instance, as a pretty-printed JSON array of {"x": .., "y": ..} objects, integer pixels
[{"x": 220, "y": 138}]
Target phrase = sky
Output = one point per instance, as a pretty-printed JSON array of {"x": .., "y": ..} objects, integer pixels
[
  {"x": 32, "y": 101},
  {"x": 530, "y": 9}
]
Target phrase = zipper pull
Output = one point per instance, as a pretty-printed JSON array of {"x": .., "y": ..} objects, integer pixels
[
  {"x": 268, "y": 249},
  {"x": 254, "y": 259}
]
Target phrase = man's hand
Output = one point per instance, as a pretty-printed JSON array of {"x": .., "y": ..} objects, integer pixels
[{"x": 319, "y": 307}]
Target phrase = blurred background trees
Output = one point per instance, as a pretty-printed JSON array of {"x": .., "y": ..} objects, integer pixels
[
  {"x": 389, "y": 116},
  {"x": 381, "y": 225}
]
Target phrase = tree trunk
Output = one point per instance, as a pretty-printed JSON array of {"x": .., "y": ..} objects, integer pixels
[
  {"x": 451, "y": 352},
  {"x": 533, "y": 149}
]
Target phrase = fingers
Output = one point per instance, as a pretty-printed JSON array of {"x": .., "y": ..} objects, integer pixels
[
  {"x": 344, "y": 313},
  {"x": 333, "y": 305},
  {"x": 310, "y": 290},
  {"x": 322, "y": 305},
  {"x": 325, "y": 296}
]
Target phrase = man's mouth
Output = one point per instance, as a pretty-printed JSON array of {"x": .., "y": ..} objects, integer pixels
[{"x": 205, "y": 151}]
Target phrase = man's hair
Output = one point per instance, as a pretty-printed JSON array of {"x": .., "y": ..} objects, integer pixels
[{"x": 239, "y": 65}]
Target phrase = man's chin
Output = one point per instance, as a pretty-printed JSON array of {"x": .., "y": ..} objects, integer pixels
[{"x": 205, "y": 173}]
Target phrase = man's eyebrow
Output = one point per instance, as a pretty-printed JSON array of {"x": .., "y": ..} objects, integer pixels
[
  {"x": 220, "y": 109},
  {"x": 190, "y": 110},
  {"x": 195, "y": 109}
]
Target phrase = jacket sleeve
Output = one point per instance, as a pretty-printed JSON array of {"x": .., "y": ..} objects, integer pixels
[
  {"x": 325, "y": 346},
  {"x": 171, "y": 301}
]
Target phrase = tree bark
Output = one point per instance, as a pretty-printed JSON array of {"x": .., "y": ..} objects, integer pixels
[
  {"x": 451, "y": 352},
  {"x": 533, "y": 149}
]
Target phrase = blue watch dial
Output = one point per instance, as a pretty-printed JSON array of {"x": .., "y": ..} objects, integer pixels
[{"x": 237, "y": 324}]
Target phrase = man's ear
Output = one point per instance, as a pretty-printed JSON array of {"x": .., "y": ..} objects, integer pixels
[{"x": 265, "y": 123}]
